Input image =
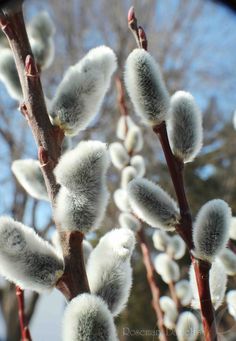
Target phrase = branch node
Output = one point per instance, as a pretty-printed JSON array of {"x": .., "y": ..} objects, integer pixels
[
  {"x": 30, "y": 67},
  {"x": 43, "y": 156},
  {"x": 23, "y": 109}
]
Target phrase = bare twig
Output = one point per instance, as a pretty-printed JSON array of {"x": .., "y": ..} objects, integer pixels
[
  {"x": 152, "y": 284},
  {"x": 25, "y": 333}
]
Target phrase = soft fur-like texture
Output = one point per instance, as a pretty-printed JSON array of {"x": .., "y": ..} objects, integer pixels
[
  {"x": 176, "y": 247},
  {"x": 41, "y": 31},
  {"x": 218, "y": 281},
  {"x": 160, "y": 240},
  {"x": 121, "y": 200},
  {"x": 80, "y": 94},
  {"x": 146, "y": 87},
  {"x": 123, "y": 125},
  {"x": 109, "y": 270},
  {"x": 228, "y": 259},
  {"x": 119, "y": 156},
  {"x": 185, "y": 126},
  {"x": 29, "y": 175},
  {"x": 134, "y": 140},
  {"x": 187, "y": 328},
  {"x": 184, "y": 292},
  {"x": 127, "y": 220},
  {"x": 166, "y": 268},
  {"x": 80, "y": 169},
  {"x": 152, "y": 205},
  {"x": 26, "y": 259},
  {"x": 127, "y": 175},
  {"x": 231, "y": 302},
  {"x": 83, "y": 197},
  {"x": 9, "y": 75},
  {"x": 138, "y": 163},
  {"x": 87, "y": 318},
  {"x": 168, "y": 306},
  {"x": 211, "y": 229},
  {"x": 232, "y": 228}
]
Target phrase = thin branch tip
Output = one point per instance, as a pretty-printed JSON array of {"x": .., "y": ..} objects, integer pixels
[{"x": 131, "y": 15}]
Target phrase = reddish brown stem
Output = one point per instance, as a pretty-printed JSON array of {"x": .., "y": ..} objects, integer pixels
[
  {"x": 184, "y": 228},
  {"x": 176, "y": 168},
  {"x": 25, "y": 333},
  {"x": 152, "y": 284},
  {"x": 121, "y": 102},
  {"x": 74, "y": 265},
  {"x": 202, "y": 270},
  {"x": 48, "y": 139}
]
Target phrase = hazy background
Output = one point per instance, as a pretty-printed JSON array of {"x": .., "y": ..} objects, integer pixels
[{"x": 195, "y": 44}]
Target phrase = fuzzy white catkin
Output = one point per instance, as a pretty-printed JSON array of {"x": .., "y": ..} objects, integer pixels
[
  {"x": 80, "y": 94},
  {"x": 160, "y": 240},
  {"x": 26, "y": 259},
  {"x": 176, "y": 247},
  {"x": 187, "y": 328},
  {"x": 211, "y": 229},
  {"x": 128, "y": 174},
  {"x": 87, "y": 318},
  {"x": 41, "y": 31},
  {"x": 146, "y": 87},
  {"x": 80, "y": 169},
  {"x": 169, "y": 308},
  {"x": 185, "y": 126},
  {"x": 29, "y": 175},
  {"x": 134, "y": 140},
  {"x": 166, "y": 268},
  {"x": 119, "y": 156},
  {"x": 109, "y": 270},
  {"x": 123, "y": 125},
  {"x": 121, "y": 200},
  {"x": 83, "y": 197},
  {"x": 138, "y": 163},
  {"x": 128, "y": 221},
  {"x": 184, "y": 292},
  {"x": 228, "y": 259},
  {"x": 231, "y": 302},
  {"x": 9, "y": 75},
  {"x": 152, "y": 205},
  {"x": 232, "y": 228},
  {"x": 218, "y": 281}
]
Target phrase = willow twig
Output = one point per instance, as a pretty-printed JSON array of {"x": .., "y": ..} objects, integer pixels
[{"x": 185, "y": 226}]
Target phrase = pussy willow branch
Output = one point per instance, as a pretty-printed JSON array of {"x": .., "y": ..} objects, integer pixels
[
  {"x": 25, "y": 333},
  {"x": 155, "y": 291},
  {"x": 48, "y": 139},
  {"x": 184, "y": 228},
  {"x": 152, "y": 284}
]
